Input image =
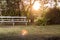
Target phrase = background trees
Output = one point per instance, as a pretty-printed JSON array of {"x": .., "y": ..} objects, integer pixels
[
  {"x": 24, "y": 8},
  {"x": 3, "y": 6},
  {"x": 52, "y": 15},
  {"x": 13, "y": 7},
  {"x": 10, "y": 7}
]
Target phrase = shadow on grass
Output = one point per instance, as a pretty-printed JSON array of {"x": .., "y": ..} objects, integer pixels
[{"x": 30, "y": 37}]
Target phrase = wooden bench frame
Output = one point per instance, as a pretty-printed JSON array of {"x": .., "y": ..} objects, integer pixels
[{"x": 13, "y": 19}]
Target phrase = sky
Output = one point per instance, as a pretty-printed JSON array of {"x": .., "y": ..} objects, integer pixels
[{"x": 48, "y": 4}]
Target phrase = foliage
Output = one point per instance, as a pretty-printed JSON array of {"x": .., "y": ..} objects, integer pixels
[
  {"x": 12, "y": 8},
  {"x": 53, "y": 15},
  {"x": 10, "y": 12},
  {"x": 41, "y": 22}
]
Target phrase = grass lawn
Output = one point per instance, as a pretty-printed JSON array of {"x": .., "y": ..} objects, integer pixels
[{"x": 7, "y": 31}]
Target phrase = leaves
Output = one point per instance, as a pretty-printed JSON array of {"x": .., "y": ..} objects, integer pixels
[{"x": 53, "y": 15}]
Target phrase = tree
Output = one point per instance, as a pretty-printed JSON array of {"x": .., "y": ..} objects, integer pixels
[
  {"x": 26, "y": 9},
  {"x": 12, "y": 8},
  {"x": 53, "y": 15},
  {"x": 3, "y": 6},
  {"x": 55, "y": 3}
]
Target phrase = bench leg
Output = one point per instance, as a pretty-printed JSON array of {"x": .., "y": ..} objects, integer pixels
[
  {"x": 13, "y": 24},
  {"x": 26, "y": 24},
  {"x": 1, "y": 23}
]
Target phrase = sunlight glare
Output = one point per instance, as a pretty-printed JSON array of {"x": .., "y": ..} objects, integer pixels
[
  {"x": 58, "y": 4},
  {"x": 24, "y": 32},
  {"x": 36, "y": 5}
]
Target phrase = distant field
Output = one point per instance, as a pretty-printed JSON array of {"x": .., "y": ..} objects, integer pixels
[{"x": 53, "y": 30}]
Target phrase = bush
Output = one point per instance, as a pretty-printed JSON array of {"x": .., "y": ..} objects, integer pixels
[
  {"x": 41, "y": 22},
  {"x": 54, "y": 16}
]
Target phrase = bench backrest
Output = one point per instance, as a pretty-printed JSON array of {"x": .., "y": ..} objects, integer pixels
[{"x": 12, "y": 18}]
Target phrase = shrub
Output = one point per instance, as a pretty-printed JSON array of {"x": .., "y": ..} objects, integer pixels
[
  {"x": 54, "y": 16},
  {"x": 41, "y": 22}
]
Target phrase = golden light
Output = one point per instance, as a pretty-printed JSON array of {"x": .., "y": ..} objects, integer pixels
[
  {"x": 36, "y": 5},
  {"x": 24, "y": 32}
]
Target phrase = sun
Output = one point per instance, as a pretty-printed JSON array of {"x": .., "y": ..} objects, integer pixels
[{"x": 36, "y": 5}]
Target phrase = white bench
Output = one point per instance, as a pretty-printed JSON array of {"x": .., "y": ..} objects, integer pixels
[{"x": 13, "y": 19}]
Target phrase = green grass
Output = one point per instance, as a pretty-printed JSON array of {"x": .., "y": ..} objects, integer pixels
[{"x": 32, "y": 30}]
